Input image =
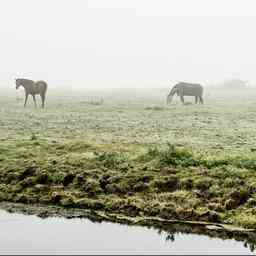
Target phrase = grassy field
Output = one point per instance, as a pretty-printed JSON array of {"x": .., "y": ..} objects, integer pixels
[{"x": 133, "y": 155}]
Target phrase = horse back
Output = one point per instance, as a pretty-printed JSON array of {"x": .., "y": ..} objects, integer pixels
[{"x": 191, "y": 89}]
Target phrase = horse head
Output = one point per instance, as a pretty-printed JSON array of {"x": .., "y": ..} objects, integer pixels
[{"x": 18, "y": 83}]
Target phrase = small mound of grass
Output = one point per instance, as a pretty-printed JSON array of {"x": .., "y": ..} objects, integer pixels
[
  {"x": 110, "y": 159},
  {"x": 171, "y": 155},
  {"x": 177, "y": 157}
]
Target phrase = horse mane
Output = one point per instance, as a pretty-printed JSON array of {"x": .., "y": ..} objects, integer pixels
[{"x": 25, "y": 80}]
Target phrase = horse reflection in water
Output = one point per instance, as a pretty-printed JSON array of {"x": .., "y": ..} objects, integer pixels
[
  {"x": 32, "y": 88},
  {"x": 170, "y": 231}
]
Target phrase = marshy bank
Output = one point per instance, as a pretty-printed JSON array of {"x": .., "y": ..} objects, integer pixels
[{"x": 165, "y": 182}]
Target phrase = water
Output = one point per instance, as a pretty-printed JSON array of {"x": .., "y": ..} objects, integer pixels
[{"x": 23, "y": 234}]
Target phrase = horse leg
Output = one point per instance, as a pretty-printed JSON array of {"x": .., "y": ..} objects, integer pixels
[
  {"x": 182, "y": 98},
  {"x": 26, "y": 98},
  {"x": 196, "y": 99},
  {"x": 34, "y": 99},
  {"x": 43, "y": 99},
  {"x": 201, "y": 99}
]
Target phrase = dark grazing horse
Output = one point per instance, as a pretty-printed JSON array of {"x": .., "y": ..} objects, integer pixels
[
  {"x": 32, "y": 88},
  {"x": 186, "y": 89}
]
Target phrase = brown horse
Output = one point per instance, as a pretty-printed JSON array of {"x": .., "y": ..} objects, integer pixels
[{"x": 32, "y": 88}]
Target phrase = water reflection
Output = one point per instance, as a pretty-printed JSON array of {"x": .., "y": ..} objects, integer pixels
[
  {"x": 29, "y": 234},
  {"x": 248, "y": 239}
]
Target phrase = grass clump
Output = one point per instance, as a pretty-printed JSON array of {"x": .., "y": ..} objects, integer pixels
[
  {"x": 110, "y": 159},
  {"x": 33, "y": 137},
  {"x": 172, "y": 156},
  {"x": 246, "y": 220},
  {"x": 246, "y": 163},
  {"x": 203, "y": 183}
]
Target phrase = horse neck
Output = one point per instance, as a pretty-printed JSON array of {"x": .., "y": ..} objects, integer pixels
[{"x": 27, "y": 84}]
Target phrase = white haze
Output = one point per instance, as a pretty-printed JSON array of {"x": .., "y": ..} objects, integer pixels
[{"x": 114, "y": 43}]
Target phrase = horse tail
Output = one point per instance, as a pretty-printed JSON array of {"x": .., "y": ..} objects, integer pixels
[{"x": 46, "y": 86}]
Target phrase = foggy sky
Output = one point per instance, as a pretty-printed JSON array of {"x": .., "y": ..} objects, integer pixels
[{"x": 108, "y": 42}]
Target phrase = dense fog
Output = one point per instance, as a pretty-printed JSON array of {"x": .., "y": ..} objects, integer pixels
[{"x": 118, "y": 44}]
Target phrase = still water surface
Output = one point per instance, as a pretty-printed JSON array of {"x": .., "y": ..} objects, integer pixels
[{"x": 23, "y": 234}]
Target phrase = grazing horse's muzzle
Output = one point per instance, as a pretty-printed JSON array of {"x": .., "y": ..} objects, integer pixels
[{"x": 169, "y": 99}]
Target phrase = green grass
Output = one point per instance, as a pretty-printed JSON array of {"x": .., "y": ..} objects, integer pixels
[{"x": 144, "y": 159}]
